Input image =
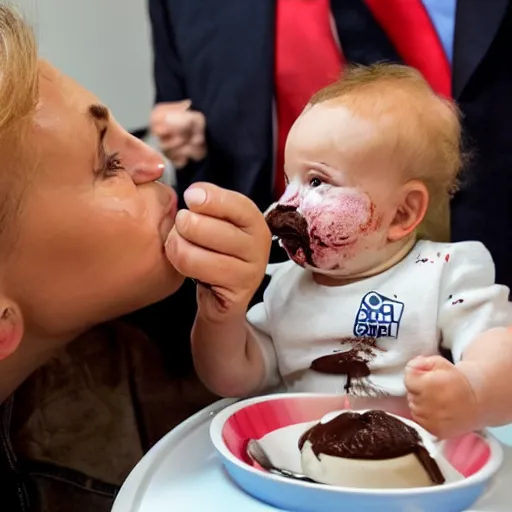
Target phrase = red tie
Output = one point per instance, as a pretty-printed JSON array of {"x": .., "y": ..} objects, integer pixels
[
  {"x": 307, "y": 58},
  {"x": 408, "y": 26}
]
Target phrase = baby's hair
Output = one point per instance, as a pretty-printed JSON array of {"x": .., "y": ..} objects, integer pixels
[
  {"x": 18, "y": 99},
  {"x": 422, "y": 127}
]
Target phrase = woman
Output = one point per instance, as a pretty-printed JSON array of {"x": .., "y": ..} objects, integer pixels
[{"x": 83, "y": 228}]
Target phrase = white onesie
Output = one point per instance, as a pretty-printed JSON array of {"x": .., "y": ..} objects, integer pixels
[{"x": 440, "y": 295}]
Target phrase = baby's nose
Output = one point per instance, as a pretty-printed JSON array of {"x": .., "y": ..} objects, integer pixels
[{"x": 292, "y": 199}]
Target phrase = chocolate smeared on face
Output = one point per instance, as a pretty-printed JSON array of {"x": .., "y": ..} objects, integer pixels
[
  {"x": 287, "y": 224},
  {"x": 373, "y": 435},
  {"x": 353, "y": 363}
]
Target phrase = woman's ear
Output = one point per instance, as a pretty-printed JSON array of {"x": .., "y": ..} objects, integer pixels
[
  {"x": 411, "y": 210},
  {"x": 11, "y": 328}
]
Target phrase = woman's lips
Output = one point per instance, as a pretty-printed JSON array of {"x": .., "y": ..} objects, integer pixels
[
  {"x": 170, "y": 210},
  {"x": 172, "y": 207}
]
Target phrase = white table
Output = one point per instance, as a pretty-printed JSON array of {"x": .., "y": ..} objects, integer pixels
[{"x": 182, "y": 474}]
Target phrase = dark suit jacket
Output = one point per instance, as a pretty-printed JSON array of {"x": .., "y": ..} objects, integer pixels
[{"x": 220, "y": 54}]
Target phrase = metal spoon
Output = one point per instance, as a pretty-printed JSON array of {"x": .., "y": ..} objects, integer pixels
[{"x": 260, "y": 456}]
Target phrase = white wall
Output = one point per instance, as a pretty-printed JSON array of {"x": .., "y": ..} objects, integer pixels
[{"x": 104, "y": 44}]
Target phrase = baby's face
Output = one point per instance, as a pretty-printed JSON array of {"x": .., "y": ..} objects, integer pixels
[{"x": 342, "y": 194}]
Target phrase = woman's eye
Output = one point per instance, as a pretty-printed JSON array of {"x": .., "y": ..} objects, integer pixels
[
  {"x": 113, "y": 164},
  {"x": 315, "y": 182}
]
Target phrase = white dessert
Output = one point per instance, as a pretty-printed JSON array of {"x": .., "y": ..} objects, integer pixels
[
  {"x": 404, "y": 471},
  {"x": 400, "y": 472}
]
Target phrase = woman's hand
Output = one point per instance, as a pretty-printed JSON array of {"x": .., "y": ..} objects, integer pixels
[
  {"x": 223, "y": 242},
  {"x": 180, "y": 132}
]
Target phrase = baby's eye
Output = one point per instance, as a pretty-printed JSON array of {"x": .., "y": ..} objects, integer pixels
[{"x": 315, "y": 182}]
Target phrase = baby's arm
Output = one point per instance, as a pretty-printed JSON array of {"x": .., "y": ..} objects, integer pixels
[
  {"x": 447, "y": 398},
  {"x": 227, "y": 355},
  {"x": 224, "y": 242},
  {"x": 487, "y": 364}
]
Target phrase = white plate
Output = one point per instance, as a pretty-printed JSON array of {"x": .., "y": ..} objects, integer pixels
[{"x": 181, "y": 473}]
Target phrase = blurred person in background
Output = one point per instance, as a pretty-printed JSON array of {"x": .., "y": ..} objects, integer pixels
[{"x": 232, "y": 76}]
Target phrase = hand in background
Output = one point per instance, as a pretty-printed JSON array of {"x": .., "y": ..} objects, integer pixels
[
  {"x": 180, "y": 131},
  {"x": 440, "y": 397},
  {"x": 222, "y": 241}
]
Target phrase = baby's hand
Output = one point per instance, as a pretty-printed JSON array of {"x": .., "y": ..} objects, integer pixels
[
  {"x": 440, "y": 397},
  {"x": 223, "y": 242}
]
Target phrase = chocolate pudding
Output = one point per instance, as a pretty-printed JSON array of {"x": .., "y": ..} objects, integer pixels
[
  {"x": 291, "y": 228},
  {"x": 371, "y": 449}
]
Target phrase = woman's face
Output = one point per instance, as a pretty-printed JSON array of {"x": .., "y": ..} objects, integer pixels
[{"x": 93, "y": 222}]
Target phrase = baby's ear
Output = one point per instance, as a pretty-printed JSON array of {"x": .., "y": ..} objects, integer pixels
[
  {"x": 11, "y": 328},
  {"x": 411, "y": 210}
]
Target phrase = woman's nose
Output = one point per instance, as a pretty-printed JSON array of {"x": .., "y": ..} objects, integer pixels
[{"x": 146, "y": 164}]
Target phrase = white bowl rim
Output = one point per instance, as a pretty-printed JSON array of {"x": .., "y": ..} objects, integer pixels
[{"x": 482, "y": 475}]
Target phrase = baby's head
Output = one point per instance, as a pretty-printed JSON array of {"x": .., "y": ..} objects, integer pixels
[{"x": 372, "y": 158}]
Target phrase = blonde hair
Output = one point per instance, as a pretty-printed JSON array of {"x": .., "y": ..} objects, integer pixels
[
  {"x": 426, "y": 129},
  {"x": 18, "y": 68},
  {"x": 18, "y": 99}
]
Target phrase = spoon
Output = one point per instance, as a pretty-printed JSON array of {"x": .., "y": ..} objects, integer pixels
[{"x": 257, "y": 453}]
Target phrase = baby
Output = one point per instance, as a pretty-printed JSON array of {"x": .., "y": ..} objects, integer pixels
[{"x": 366, "y": 301}]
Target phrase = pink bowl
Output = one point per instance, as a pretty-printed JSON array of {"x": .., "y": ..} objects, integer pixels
[
  {"x": 476, "y": 457},
  {"x": 467, "y": 454}
]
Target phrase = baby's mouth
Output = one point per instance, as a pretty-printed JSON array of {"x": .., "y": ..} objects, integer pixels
[{"x": 291, "y": 228}]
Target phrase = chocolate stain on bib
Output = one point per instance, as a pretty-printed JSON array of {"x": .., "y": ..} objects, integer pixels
[{"x": 354, "y": 363}]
